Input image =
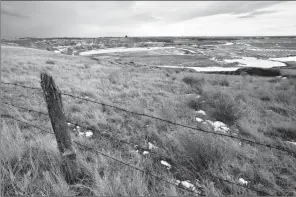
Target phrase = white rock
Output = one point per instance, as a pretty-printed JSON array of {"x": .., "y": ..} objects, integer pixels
[
  {"x": 284, "y": 78},
  {"x": 279, "y": 77},
  {"x": 88, "y": 133},
  {"x": 169, "y": 166},
  {"x": 145, "y": 152},
  {"x": 80, "y": 133},
  {"x": 198, "y": 119},
  {"x": 197, "y": 96},
  {"x": 68, "y": 123},
  {"x": 202, "y": 112},
  {"x": 151, "y": 146},
  {"x": 242, "y": 181}
]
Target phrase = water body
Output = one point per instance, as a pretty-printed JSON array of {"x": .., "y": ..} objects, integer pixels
[
  {"x": 285, "y": 59},
  {"x": 228, "y": 43},
  {"x": 121, "y": 50},
  {"x": 206, "y": 69},
  {"x": 254, "y": 62}
]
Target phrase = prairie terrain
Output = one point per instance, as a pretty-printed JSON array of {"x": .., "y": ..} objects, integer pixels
[{"x": 257, "y": 108}]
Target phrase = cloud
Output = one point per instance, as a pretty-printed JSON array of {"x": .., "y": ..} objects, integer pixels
[
  {"x": 8, "y": 11},
  {"x": 256, "y": 13},
  {"x": 181, "y": 11},
  {"x": 143, "y": 18}
]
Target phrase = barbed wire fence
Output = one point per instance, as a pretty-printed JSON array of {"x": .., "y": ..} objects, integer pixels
[
  {"x": 138, "y": 146},
  {"x": 284, "y": 149}
]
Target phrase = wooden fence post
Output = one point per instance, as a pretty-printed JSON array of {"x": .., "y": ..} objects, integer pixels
[{"x": 52, "y": 96}]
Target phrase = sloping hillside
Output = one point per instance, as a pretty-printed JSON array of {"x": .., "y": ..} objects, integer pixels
[{"x": 254, "y": 108}]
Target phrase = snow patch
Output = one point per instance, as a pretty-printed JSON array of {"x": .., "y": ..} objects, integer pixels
[
  {"x": 206, "y": 69},
  {"x": 254, "y": 62}
]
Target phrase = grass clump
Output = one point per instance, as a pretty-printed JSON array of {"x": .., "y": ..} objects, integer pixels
[
  {"x": 222, "y": 107},
  {"x": 50, "y": 62},
  {"x": 194, "y": 103},
  {"x": 223, "y": 82},
  {"x": 194, "y": 82}
]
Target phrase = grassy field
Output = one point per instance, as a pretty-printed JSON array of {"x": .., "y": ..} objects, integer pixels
[{"x": 261, "y": 109}]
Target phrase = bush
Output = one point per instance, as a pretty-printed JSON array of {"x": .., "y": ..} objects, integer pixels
[
  {"x": 195, "y": 83},
  {"x": 223, "y": 107},
  {"x": 50, "y": 62},
  {"x": 201, "y": 152},
  {"x": 194, "y": 104},
  {"x": 223, "y": 82}
]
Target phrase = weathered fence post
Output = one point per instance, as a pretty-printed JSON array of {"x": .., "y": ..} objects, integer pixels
[{"x": 52, "y": 96}]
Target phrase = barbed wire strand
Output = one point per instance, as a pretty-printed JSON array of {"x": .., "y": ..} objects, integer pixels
[
  {"x": 133, "y": 145},
  {"x": 10, "y": 117},
  {"x": 85, "y": 147},
  {"x": 168, "y": 121},
  {"x": 7, "y": 116},
  {"x": 124, "y": 163}
]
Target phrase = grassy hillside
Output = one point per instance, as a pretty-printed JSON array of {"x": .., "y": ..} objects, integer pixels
[{"x": 255, "y": 108}]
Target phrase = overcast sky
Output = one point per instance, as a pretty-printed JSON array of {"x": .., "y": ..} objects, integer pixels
[{"x": 151, "y": 18}]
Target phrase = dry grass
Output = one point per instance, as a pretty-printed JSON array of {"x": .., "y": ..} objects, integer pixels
[{"x": 31, "y": 163}]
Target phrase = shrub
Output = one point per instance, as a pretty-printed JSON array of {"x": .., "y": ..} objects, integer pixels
[
  {"x": 113, "y": 77},
  {"x": 201, "y": 152},
  {"x": 223, "y": 82},
  {"x": 223, "y": 107},
  {"x": 195, "y": 83},
  {"x": 50, "y": 62},
  {"x": 194, "y": 104}
]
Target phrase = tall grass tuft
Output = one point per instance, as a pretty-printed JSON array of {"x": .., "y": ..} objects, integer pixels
[{"x": 223, "y": 107}]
